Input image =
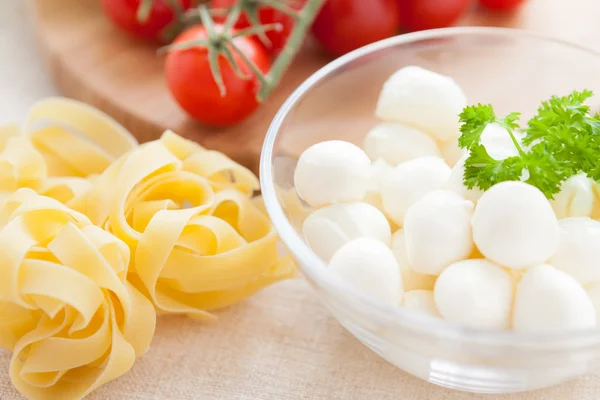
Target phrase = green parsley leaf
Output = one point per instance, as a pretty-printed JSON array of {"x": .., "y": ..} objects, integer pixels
[
  {"x": 546, "y": 172},
  {"x": 483, "y": 171},
  {"x": 561, "y": 140},
  {"x": 473, "y": 120},
  {"x": 566, "y": 111},
  {"x": 571, "y": 133}
]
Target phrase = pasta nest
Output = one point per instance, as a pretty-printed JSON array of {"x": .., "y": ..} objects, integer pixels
[
  {"x": 68, "y": 313},
  {"x": 197, "y": 239},
  {"x": 99, "y": 234}
]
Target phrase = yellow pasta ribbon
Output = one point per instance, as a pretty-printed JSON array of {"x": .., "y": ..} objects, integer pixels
[
  {"x": 99, "y": 234},
  {"x": 75, "y": 139},
  {"x": 70, "y": 317},
  {"x": 198, "y": 240},
  {"x": 21, "y": 165},
  {"x": 62, "y": 146}
]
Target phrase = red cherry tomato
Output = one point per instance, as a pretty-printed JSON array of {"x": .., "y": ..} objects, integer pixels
[
  {"x": 501, "y": 5},
  {"x": 123, "y": 13},
  {"x": 266, "y": 15},
  {"x": 345, "y": 25},
  {"x": 418, "y": 15},
  {"x": 192, "y": 84}
]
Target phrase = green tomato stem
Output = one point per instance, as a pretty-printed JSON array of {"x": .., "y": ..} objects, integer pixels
[
  {"x": 183, "y": 46},
  {"x": 236, "y": 68},
  {"x": 258, "y": 73},
  {"x": 279, "y": 6},
  {"x": 252, "y": 14},
  {"x": 177, "y": 8},
  {"x": 232, "y": 17},
  {"x": 304, "y": 19},
  {"x": 213, "y": 49},
  {"x": 253, "y": 30},
  {"x": 223, "y": 41},
  {"x": 207, "y": 21},
  {"x": 143, "y": 11}
]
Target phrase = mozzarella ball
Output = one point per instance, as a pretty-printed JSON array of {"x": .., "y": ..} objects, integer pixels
[
  {"x": 578, "y": 252},
  {"x": 596, "y": 206},
  {"x": 412, "y": 279},
  {"x": 437, "y": 231},
  {"x": 499, "y": 146},
  {"x": 420, "y": 301},
  {"x": 475, "y": 293},
  {"x": 593, "y": 292},
  {"x": 332, "y": 172},
  {"x": 410, "y": 181},
  {"x": 515, "y": 226},
  {"x": 451, "y": 152},
  {"x": 374, "y": 199},
  {"x": 549, "y": 299},
  {"x": 575, "y": 199},
  {"x": 328, "y": 229},
  {"x": 380, "y": 170},
  {"x": 397, "y": 143},
  {"x": 423, "y": 99},
  {"x": 498, "y": 143},
  {"x": 369, "y": 266},
  {"x": 455, "y": 182}
]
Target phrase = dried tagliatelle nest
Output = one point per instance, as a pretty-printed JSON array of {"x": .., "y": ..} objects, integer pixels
[{"x": 98, "y": 234}]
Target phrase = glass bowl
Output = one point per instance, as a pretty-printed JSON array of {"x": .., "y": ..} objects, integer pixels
[{"x": 512, "y": 69}]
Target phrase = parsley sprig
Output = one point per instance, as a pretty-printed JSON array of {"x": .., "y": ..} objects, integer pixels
[{"x": 560, "y": 141}]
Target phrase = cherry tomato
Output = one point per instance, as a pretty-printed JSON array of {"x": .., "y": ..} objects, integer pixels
[
  {"x": 345, "y": 25},
  {"x": 266, "y": 15},
  {"x": 123, "y": 13},
  {"x": 192, "y": 84},
  {"x": 501, "y": 5},
  {"x": 418, "y": 15}
]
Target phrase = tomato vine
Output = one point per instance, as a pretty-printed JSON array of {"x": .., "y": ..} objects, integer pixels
[{"x": 221, "y": 42}]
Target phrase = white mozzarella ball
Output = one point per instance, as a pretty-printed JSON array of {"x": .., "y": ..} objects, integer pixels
[
  {"x": 369, "y": 266},
  {"x": 423, "y": 99},
  {"x": 578, "y": 252},
  {"x": 455, "y": 182},
  {"x": 380, "y": 169},
  {"x": 326, "y": 230},
  {"x": 374, "y": 199},
  {"x": 498, "y": 143},
  {"x": 397, "y": 143},
  {"x": 596, "y": 206},
  {"x": 410, "y": 181},
  {"x": 331, "y": 172},
  {"x": 499, "y": 146},
  {"x": 475, "y": 293},
  {"x": 593, "y": 292},
  {"x": 437, "y": 231},
  {"x": 451, "y": 152},
  {"x": 412, "y": 279},
  {"x": 420, "y": 301},
  {"x": 515, "y": 226},
  {"x": 575, "y": 199},
  {"x": 549, "y": 299}
]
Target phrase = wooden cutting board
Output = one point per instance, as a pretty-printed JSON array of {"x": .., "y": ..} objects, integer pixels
[{"x": 91, "y": 61}]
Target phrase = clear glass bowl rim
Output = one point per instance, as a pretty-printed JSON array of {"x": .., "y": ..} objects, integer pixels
[{"x": 316, "y": 269}]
